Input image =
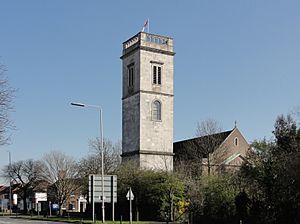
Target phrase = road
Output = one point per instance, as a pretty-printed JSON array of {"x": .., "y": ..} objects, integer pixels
[{"x": 12, "y": 220}]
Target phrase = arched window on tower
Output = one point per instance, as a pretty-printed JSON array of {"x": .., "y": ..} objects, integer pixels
[{"x": 156, "y": 111}]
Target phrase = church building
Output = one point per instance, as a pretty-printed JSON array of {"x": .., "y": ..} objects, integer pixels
[
  {"x": 147, "y": 110},
  {"x": 211, "y": 154}
]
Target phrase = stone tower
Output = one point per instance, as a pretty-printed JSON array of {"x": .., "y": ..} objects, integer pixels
[{"x": 147, "y": 101}]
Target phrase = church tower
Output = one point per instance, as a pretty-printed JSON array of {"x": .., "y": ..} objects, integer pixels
[{"x": 147, "y": 101}]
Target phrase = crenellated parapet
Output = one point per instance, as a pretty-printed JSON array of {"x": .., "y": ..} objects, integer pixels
[{"x": 150, "y": 42}]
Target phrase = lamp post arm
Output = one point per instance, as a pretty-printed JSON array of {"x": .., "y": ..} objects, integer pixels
[
  {"x": 85, "y": 105},
  {"x": 78, "y": 104}
]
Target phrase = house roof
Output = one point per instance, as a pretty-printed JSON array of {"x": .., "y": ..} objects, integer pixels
[
  {"x": 222, "y": 136},
  {"x": 218, "y": 138},
  {"x": 3, "y": 189}
]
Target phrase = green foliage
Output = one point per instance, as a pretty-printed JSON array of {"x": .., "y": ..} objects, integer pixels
[
  {"x": 287, "y": 135},
  {"x": 266, "y": 189},
  {"x": 220, "y": 193},
  {"x": 170, "y": 194},
  {"x": 158, "y": 194},
  {"x": 273, "y": 176}
]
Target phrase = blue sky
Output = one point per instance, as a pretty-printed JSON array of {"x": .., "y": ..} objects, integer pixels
[{"x": 235, "y": 60}]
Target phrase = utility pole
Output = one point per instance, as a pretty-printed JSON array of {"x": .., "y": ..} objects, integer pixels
[
  {"x": 9, "y": 158},
  {"x": 102, "y": 155}
]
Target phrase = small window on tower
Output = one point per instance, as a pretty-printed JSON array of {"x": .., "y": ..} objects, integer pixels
[
  {"x": 159, "y": 75},
  {"x": 156, "y": 111},
  {"x": 154, "y": 75},
  {"x": 157, "y": 70},
  {"x": 130, "y": 75}
]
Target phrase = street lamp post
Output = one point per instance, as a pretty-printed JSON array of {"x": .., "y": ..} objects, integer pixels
[{"x": 102, "y": 155}]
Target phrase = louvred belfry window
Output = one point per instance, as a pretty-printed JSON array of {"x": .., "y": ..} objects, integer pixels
[{"x": 156, "y": 73}]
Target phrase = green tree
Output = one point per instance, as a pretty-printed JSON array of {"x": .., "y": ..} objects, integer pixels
[
  {"x": 287, "y": 135},
  {"x": 286, "y": 156},
  {"x": 169, "y": 191},
  {"x": 272, "y": 176},
  {"x": 219, "y": 198},
  {"x": 158, "y": 194}
]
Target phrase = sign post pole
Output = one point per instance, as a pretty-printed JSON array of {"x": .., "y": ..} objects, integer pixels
[
  {"x": 50, "y": 208},
  {"x": 113, "y": 202},
  {"x": 130, "y": 197},
  {"x": 130, "y": 206},
  {"x": 96, "y": 191},
  {"x": 93, "y": 197}
]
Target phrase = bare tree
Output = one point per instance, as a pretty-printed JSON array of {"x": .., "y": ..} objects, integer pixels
[
  {"x": 194, "y": 155},
  {"x": 6, "y": 97},
  {"x": 167, "y": 163},
  {"x": 208, "y": 140},
  {"x": 25, "y": 175},
  {"x": 60, "y": 172},
  {"x": 92, "y": 163}
]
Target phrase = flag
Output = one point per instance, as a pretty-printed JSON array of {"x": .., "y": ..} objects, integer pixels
[{"x": 146, "y": 24}]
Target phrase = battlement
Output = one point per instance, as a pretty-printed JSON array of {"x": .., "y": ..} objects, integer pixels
[{"x": 148, "y": 41}]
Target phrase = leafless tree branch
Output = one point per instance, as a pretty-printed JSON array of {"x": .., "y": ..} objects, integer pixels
[{"x": 6, "y": 100}]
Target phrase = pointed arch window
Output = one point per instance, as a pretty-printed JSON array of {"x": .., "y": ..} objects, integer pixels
[
  {"x": 156, "y": 111},
  {"x": 236, "y": 141}
]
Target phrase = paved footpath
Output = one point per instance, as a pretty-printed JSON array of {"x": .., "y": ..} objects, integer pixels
[{"x": 13, "y": 220}]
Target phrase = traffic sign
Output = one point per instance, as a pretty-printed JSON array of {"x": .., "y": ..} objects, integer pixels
[
  {"x": 129, "y": 195},
  {"x": 110, "y": 188}
]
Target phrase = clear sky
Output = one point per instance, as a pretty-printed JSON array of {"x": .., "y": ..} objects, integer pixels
[{"x": 235, "y": 60}]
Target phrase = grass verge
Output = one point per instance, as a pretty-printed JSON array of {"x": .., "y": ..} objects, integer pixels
[{"x": 73, "y": 220}]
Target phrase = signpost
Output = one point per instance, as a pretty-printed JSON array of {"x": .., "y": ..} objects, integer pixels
[
  {"x": 130, "y": 197},
  {"x": 110, "y": 191},
  {"x": 38, "y": 198},
  {"x": 50, "y": 209}
]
